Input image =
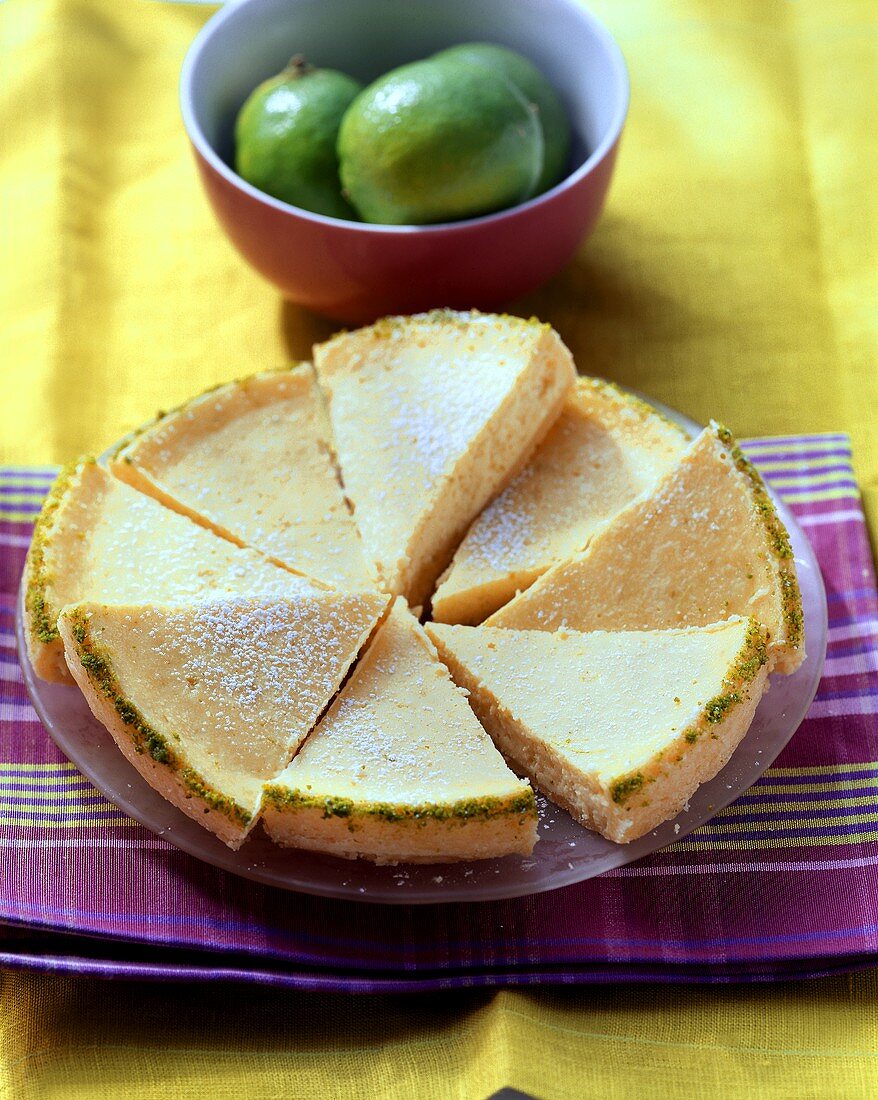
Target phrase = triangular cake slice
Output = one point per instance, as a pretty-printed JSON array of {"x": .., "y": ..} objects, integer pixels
[
  {"x": 432, "y": 415},
  {"x": 605, "y": 449},
  {"x": 209, "y": 701},
  {"x": 253, "y": 461},
  {"x": 97, "y": 539},
  {"x": 705, "y": 544},
  {"x": 618, "y": 728},
  {"x": 399, "y": 768}
]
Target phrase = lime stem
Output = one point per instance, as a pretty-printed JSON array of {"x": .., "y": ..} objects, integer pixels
[{"x": 297, "y": 66}]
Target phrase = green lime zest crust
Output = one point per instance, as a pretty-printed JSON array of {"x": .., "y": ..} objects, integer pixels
[
  {"x": 43, "y": 620},
  {"x": 147, "y": 740},
  {"x": 777, "y": 537},
  {"x": 195, "y": 784},
  {"x": 461, "y": 811},
  {"x": 751, "y": 657},
  {"x": 622, "y": 789},
  {"x": 97, "y": 663},
  {"x": 717, "y": 708}
]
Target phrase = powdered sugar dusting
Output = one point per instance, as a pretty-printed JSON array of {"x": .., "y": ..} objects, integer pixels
[
  {"x": 432, "y": 415},
  {"x": 505, "y": 531},
  {"x": 587, "y": 469},
  {"x": 257, "y": 656},
  {"x": 237, "y": 684},
  {"x": 690, "y": 552},
  {"x": 115, "y": 544},
  {"x": 400, "y": 731},
  {"x": 407, "y": 401}
]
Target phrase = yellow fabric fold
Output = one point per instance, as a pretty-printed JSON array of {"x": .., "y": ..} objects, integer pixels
[
  {"x": 733, "y": 275},
  {"x": 77, "y": 1039}
]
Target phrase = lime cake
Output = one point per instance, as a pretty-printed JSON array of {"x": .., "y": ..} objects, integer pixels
[
  {"x": 619, "y": 728},
  {"x": 399, "y": 768},
  {"x": 432, "y": 416},
  {"x": 253, "y": 460},
  {"x": 705, "y": 544},
  {"x": 210, "y": 701},
  {"x": 606, "y": 448}
]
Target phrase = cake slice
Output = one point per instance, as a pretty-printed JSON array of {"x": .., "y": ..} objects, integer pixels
[
  {"x": 605, "y": 449},
  {"x": 705, "y": 544},
  {"x": 399, "y": 768},
  {"x": 432, "y": 415},
  {"x": 99, "y": 540},
  {"x": 209, "y": 701},
  {"x": 618, "y": 728},
  {"x": 253, "y": 461}
]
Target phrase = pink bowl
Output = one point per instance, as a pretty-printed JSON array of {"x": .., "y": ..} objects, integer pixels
[{"x": 355, "y": 272}]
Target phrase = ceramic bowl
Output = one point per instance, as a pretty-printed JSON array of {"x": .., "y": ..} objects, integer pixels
[{"x": 355, "y": 272}]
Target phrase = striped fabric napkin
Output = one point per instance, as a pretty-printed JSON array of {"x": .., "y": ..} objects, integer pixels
[{"x": 782, "y": 883}]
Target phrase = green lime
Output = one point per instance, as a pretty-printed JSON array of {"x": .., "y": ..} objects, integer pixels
[
  {"x": 285, "y": 137},
  {"x": 536, "y": 89},
  {"x": 436, "y": 141}
]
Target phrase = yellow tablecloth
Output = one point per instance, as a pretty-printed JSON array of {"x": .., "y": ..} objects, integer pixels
[{"x": 733, "y": 275}]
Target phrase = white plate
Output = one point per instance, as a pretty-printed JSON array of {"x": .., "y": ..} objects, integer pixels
[{"x": 566, "y": 853}]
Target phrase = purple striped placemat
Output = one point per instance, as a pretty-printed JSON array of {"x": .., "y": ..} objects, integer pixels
[{"x": 782, "y": 883}]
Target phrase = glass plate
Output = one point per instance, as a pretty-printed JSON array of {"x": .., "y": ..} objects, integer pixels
[{"x": 565, "y": 853}]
